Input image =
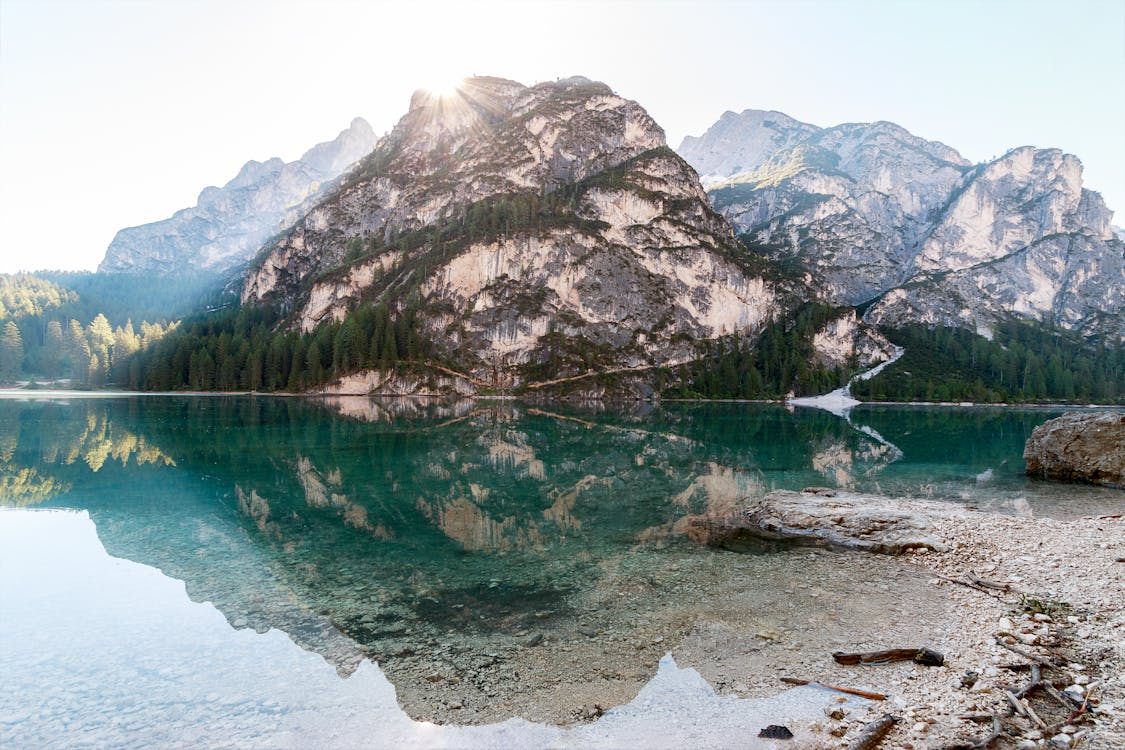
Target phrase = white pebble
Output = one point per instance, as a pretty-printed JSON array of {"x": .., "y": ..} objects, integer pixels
[
  {"x": 1061, "y": 740},
  {"x": 921, "y": 727}
]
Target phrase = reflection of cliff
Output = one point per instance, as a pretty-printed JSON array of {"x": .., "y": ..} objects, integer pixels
[
  {"x": 388, "y": 410},
  {"x": 435, "y": 538},
  {"x": 842, "y": 463}
]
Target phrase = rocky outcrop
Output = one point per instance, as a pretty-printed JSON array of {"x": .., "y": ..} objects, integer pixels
[
  {"x": 1079, "y": 447},
  {"x": 536, "y": 232},
  {"x": 876, "y": 214},
  {"x": 848, "y": 342},
  {"x": 228, "y": 224},
  {"x": 406, "y": 381},
  {"x": 820, "y": 517}
]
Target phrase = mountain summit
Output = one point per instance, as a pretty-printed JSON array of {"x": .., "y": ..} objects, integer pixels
[
  {"x": 526, "y": 231},
  {"x": 228, "y": 224},
  {"x": 908, "y": 227}
]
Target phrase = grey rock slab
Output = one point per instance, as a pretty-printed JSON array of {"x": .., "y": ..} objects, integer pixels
[
  {"x": 825, "y": 518},
  {"x": 1080, "y": 447}
]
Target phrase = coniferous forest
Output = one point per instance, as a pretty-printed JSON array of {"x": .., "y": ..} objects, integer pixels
[
  {"x": 85, "y": 327},
  {"x": 1022, "y": 362},
  {"x": 94, "y": 330}
]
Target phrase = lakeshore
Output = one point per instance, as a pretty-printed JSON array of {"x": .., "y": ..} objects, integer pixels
[{"x": 494, "y": 560}]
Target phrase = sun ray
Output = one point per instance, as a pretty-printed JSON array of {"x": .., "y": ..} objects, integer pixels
[{"x": 443, "y": 86}]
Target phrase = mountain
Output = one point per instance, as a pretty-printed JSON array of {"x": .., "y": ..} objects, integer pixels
[
  {"x": 528, "y": 233},
  {"x": 228, "y": 224},
  {"x": 911, "y": 230}
]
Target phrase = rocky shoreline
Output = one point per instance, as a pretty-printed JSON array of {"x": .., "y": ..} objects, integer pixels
[
  {"x": 1065, "y": 584},
  {"x": 1064, "y": 588}
]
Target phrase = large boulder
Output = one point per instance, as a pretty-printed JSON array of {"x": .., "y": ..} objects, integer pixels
[
  {"x": 1079, "y": 447},
  {"x": 821, "y": 517}
]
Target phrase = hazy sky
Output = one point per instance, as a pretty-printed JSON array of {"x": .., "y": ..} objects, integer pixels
[{"x": 117, "y": 113}]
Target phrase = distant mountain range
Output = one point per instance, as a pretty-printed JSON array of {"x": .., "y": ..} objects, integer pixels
[
  {"x": 228, "y": 224},
  {"x": 907, "y": 227},
  {"x": 518, "y": 237}
]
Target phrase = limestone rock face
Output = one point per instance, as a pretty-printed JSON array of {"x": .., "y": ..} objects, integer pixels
[
  {"x": 847, "y": 342},
  {"x": 228, "y": 224},
  {"x": 543, "y": 228},
  {"x": 876, "y": 214},
  {"x": 1080, "y": 447},
  {"x": 821, "y": 517}
]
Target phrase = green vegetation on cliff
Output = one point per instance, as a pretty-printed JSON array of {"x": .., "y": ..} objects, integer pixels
[
  {"x": 782, "y": 361},
  {"x": 1023, "y": 362},
  {"x": 244, "y": 350}
]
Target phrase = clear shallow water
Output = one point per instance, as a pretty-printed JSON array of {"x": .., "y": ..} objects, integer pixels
[{"x": 470, "y": 550}]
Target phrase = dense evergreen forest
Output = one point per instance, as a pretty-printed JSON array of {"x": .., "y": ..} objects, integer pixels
[
  {"x": 85, "y": 327},
  {"x": 1023, "y": 362},
  {"x": 782, "y": 361},
  {"x": 228, "y": 348},
  {"x": 244, "y": 350}
]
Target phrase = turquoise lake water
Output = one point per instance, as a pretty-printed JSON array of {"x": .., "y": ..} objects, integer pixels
[{"x": 407, "y": 543}]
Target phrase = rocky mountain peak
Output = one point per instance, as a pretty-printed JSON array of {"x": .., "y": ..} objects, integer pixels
[
  {"x": 742, "y": 142},
  {"x": 335, "y": 156},
  {"x": 877, "y": 214},
  {"x": 228, "y": 224},
  {"x": 489, "y": 137},
  {"x": 521, "y": 223}
]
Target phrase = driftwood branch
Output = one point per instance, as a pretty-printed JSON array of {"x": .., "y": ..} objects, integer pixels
[
  {"x": 873, "y": 733},
  {"x": 983, "y": 742},
  {"x": 1036, "y": 681},
  {"x": 1041, "y": 661},
  {"x": 1031, "y": 713},
  {"x": 924, "y": 656},
  {"x": 1068, "y": 703},
  {"x": 975, "y": 582},
  {"x": 850, "y": 691}
]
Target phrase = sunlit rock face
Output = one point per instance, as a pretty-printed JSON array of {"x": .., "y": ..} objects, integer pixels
[
  {"x": 228, "y": 224},
  {"x": 605, "y": 245},
  {"x": 876, "y": 213}
]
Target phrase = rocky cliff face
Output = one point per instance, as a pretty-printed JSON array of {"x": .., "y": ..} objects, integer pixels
[
  {"x": 877, "y": 214},
  {"x": 532, "y": 229},
  {"x": 228, "y": 224}
]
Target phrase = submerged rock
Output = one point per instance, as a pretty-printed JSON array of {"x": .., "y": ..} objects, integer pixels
[
  {"x": 821, "y": 517},
  {"x": 1079, "y": 447}
]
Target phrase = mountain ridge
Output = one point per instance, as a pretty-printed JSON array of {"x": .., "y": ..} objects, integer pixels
[
  {"x": 227, "y": 224},
  {"x": 875, "y": 213}
]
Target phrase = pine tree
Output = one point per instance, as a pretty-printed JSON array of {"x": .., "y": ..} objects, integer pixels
[
  {"x": 11, "y": 352},
  {"x": 53, "y": 349}
]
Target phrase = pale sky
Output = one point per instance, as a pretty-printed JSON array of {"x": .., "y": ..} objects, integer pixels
[{"x": 116, "y": 113}]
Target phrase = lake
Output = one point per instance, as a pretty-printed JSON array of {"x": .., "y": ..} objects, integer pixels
[{"x": 281, "y": 572}]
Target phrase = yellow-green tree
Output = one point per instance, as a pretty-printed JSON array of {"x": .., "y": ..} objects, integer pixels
[{"x": 11, "y": 352}]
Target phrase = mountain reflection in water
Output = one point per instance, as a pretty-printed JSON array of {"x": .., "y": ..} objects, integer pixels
[{"x": 493, "y": 558}]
